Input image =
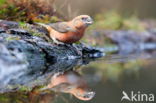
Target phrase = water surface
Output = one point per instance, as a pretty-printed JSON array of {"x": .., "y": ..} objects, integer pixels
[{"x": 94, "y": 81}]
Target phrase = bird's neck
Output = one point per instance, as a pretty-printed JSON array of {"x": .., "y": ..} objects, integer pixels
[{"x": 78, "y": 25}]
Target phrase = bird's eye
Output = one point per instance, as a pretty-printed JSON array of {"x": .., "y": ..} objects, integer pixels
[
  {"x": 83, "y": 18},
  {"x": 85, "y": 96}
]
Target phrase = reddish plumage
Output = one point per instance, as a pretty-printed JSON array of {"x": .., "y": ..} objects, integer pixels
[
  {"x": 73, "y": 83},
  {"x": 69, "y": 32}
]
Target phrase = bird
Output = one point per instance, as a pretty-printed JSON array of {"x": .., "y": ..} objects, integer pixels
[
  {"x": 70, "y": 82},
  {"x": 68, "y": 32}
]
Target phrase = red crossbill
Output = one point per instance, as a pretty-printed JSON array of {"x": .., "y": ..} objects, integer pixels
[{"x": 68, "y": 32}]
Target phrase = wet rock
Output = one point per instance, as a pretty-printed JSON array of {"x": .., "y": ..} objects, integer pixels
[
  {"x": 2, "y": 30},
  {"x": 31, "y": 78},
  {"x": 8, "y": 24},
  {"x": 19, "y": 31},
  {"x": 13, "y": 64},
  {"x": 27, "y": 57}
]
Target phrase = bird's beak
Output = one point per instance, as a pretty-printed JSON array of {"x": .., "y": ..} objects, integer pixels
[
  {"x": 89, "y": 21},
  {"x": 85, "y": 96}
]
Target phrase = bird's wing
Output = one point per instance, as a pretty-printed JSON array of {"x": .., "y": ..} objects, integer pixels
[
  {"x": 62, "y": 87},
  {"x": 62, "y": 27}
]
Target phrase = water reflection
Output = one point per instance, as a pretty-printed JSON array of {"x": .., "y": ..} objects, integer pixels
[
  {"x": 107, "y": 76},
  {"x": 71, "y": 82},
  {"x": 60, "y": 76}
]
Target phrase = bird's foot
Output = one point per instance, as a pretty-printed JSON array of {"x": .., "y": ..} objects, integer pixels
[{"x": 57, "y": 42}]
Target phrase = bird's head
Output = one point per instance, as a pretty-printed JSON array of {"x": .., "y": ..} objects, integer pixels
[{"x": 82, "y": 21}]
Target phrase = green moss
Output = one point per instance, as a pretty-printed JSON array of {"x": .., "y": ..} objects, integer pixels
[
  {"x": 12, "y": 38},
  {"x": 17, "y": 10},
  {"x": 33, "y": 31},
  {"x": 14, "y": 97},
  {"x": 20, "y": 88},
  {"x": 24, "y": 88},
  {"x": 30, "y": 29},
  {"x": 55, "y": 19},
  {"x": 36, "y": 34},
  {"x": 10, "y": 12},
  {"x": 4, "y": 99},
  {"x": 47, "y": 19},
  {"x": 22, "y": 24},
  {"x": 2, "y": 2}
]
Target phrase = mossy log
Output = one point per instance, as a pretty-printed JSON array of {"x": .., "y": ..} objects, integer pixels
[{"x": 26, "y": 50}]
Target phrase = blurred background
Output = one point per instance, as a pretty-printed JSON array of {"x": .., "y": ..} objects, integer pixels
[
  {"x": 142, "y": 8},
  {"x": 70, "y": 8},
  {"x": 108, "y": 14}
]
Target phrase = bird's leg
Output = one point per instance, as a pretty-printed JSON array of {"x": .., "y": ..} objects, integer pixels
[
  {"x": 57, "y": 42},
  {"x": 60, "y": 43}
]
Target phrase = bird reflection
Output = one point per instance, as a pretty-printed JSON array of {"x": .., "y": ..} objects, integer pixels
[
  {"x": 44, "y": 85},
  {"x": 71, "y": 82}
]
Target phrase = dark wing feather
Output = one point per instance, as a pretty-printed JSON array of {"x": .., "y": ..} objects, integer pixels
[{"x": 61, "y": 27}]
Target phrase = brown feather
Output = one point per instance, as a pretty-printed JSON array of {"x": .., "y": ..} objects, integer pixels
[{"x": 62, "y": 27}]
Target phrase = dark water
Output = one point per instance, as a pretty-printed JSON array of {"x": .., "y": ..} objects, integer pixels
[
  {"x": 115, "y": 77},
  {"x": 109, "y": 76},
  {"x": 93, "y": 81}
]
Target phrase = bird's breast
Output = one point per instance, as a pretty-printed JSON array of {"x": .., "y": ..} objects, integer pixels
[{"x": 69, "y": 37}]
